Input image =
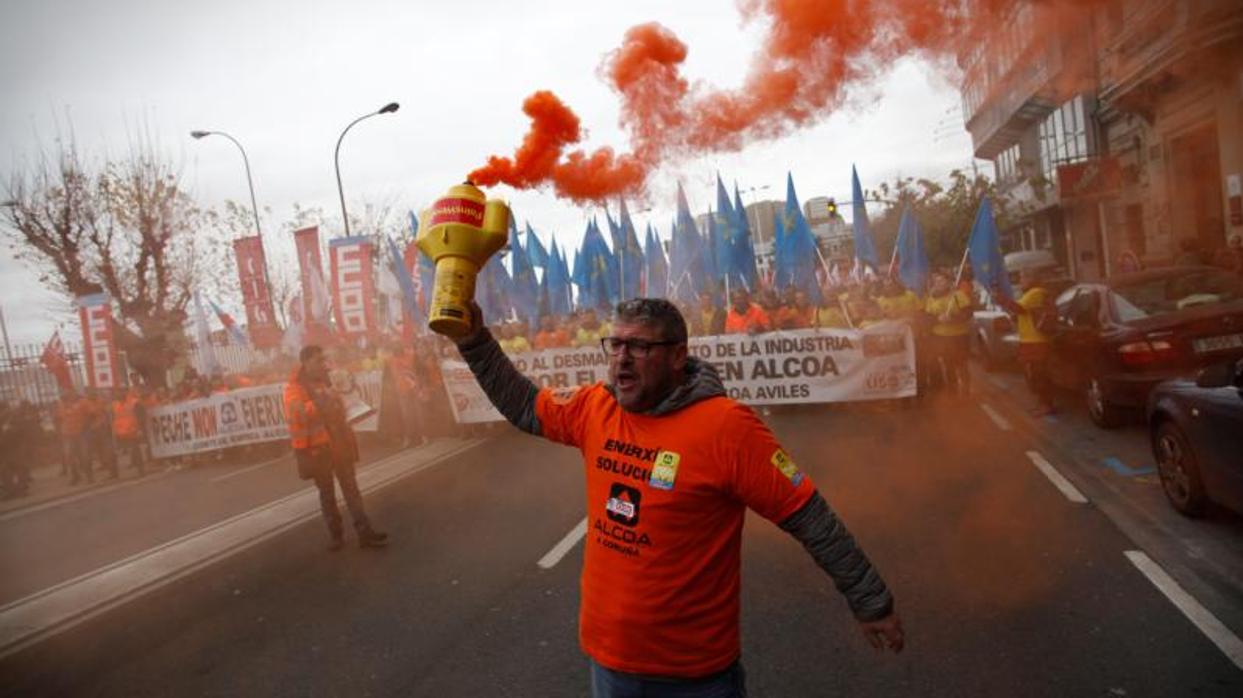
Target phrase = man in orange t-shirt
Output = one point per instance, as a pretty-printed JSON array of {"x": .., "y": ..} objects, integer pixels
[
  {"x": 745, "y": 317},
  {"x": 671, "y": 466}
]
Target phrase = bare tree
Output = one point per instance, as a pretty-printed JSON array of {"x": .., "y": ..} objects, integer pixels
[{"x": 128, "y": 228}]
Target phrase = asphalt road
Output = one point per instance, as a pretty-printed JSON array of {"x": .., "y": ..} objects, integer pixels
[{"x": 1005, "y": 586}]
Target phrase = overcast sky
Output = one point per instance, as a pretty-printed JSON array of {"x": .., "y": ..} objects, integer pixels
[{"x": 285, "y": 77}]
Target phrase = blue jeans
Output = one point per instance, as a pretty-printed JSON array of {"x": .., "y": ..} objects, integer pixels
[{"x": 606, "y": 683}]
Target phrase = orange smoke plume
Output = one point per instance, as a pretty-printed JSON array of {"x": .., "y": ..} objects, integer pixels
[{"x": 813, "y": 51}]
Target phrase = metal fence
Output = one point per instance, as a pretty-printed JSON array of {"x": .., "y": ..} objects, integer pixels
[{"x": 24, "y": 377}]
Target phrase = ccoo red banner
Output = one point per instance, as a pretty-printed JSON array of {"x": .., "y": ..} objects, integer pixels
[
  {"x": 353, "y": 286},
  {"x": 102, "y": 364},
  {"x": 256, "y": 293}
]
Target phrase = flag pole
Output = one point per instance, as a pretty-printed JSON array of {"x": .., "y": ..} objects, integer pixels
[
  {"x": 823, "y": 264},
  {"x": 962, "y": 265}
]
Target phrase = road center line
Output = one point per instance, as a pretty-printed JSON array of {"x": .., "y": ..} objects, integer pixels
[
  {"x": 560, "y": 549},
  {"x": 1214, "y": 629},
  {"x": 994, "y": 415},
  {"x": 247, "y": 469},
  {"x": 43, "y": 614},
  {"x": 1056, "y": 478}
]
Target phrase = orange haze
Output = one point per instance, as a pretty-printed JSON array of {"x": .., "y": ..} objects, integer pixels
[{"x": 813, "y": 50}]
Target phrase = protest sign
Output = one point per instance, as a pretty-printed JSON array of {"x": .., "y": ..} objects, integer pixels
[
  {"x": 776, "y": 368},
  {"x": 238, "y": 417}
]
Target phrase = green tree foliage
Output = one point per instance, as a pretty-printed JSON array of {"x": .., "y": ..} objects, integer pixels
[{"x": 945, "y": 211}]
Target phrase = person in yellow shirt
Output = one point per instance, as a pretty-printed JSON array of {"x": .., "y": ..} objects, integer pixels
[
  {"x": 830, "y": 314},
  {"x": 864, "y": 312},
  {"x": 1031, "y": 311},
  {"x": 512, "y": 342},
  {"x": 898, "y": 302},
  {"x": 950, "y": 313},
  {"x": 590, "y": 330}
]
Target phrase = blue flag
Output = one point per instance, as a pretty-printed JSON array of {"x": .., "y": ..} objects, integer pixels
[
  {"x": 657, "y": 272},
  {"x": 629, "y": 256},
  {"x": 493, "y": 290},
  {"x": 743, "y": 247},
  {"x": 782, "y": 273},
  {"x": 727, "y": 237},
  {"x": 984, "y": 249},
  {"x": 865, "y": 249},
  {"x": 687, "y": 276},
  {"x": 801, "y": 252},
  {"x": 409, "y": 295},
  {"x": 557, "y": 283},
  {"x": 535, "y": 250},
  {"x": 593, "y": 273},
  {"x": 525, "y": 297},
  {"x": 712, "y": 250},
  {"x": 913, "y": 267}
]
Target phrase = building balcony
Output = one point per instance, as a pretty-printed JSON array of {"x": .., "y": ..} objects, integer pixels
[
  {"x": 1022, "y": 99},
  {"x": 1161, "y": 43}
]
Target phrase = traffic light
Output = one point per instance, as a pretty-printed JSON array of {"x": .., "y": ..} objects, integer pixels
[{"x": 832, "y": 208}]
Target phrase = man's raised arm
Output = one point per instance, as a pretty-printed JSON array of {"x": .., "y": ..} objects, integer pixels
[{"x": 512, "y": 393}]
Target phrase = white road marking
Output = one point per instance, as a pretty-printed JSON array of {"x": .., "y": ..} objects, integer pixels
[
  {"x": 15, "y": 513},
  {"x": 247, "y": 469},
  {"x": 1056, "y": 478},
  {"x": 560, "y": 549},
  {"x": 994, "y": 415},
  {"x": 1214, "y": 629},
  {"x": 58, "y": 608}
]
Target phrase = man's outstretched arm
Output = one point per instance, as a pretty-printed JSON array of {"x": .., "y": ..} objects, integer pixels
[
  {"x": 512, "y": 393},
  {"x": 825, "y": 537}
]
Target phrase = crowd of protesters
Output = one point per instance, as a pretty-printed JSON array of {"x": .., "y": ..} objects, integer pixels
[
  {"x": 940, "y": 320},
  {"x": 101, "y": 434}
]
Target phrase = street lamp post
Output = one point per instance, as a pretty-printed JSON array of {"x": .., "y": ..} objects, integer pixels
[
  {"x": 336, "y": 158},
  {"x": 254, "y": 207}
]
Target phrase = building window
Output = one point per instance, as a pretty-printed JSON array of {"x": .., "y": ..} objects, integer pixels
[
  {"x": 1064, "y": 137},
  {"x": 1007, "y": 165}
]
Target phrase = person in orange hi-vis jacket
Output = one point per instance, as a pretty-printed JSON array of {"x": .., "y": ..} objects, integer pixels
[{"x": 325, "y": 447}]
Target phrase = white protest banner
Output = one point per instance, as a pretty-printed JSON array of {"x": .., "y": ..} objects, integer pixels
[
  {"x": 775, "y": 368},
  {"x": 236, "y": 418}
]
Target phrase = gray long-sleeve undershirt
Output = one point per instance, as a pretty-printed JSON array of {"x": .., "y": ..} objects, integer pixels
[
  {"x": 512, "y": 393},
  {"x": 815, "y": 525},
  {"x": 825, "y": 537}
]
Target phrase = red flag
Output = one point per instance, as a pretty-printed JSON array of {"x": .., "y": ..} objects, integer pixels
[
  {"x": 98, "y": 346},
  {"x": 53, "y": 359},
  {"x": 256, "y": 294},
  {"x": 353, "y": 287},
  {"x": 310, "y": 265}
]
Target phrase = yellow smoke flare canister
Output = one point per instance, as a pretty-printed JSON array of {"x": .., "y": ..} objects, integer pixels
[{"x": 462, "y": 230}]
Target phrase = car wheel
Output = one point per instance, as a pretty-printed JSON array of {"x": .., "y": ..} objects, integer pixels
[
  {"x": 1102, "y": 412},
  {"x": 1180, "y": 473}
]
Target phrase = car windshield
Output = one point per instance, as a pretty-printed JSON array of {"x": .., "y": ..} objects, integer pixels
[{"x": 1174, "y": 292}]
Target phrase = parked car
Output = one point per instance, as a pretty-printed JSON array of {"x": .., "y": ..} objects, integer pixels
[
  {"x": 1121, "y": 337},
  {"x": 1197, "y": 438}
]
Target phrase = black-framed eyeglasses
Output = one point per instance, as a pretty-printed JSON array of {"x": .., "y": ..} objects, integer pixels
[{"x": 638, "y": 348}]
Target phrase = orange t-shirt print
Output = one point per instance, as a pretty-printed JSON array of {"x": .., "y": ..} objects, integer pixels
[{"x": 666, "y": 498}]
